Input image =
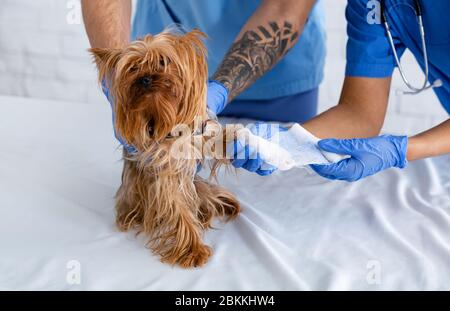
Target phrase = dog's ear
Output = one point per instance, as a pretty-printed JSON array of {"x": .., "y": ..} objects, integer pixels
[
  {"x": 103, "y": 55},
  {"x": 106, "y": 60}
]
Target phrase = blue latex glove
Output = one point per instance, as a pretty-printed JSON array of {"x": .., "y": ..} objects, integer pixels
[
  {"x": 128, "y": 148},
  {"x": 368, "y": 156},
  {"x": 217, "y": 96},
  {"x": 247, "y": 157}
]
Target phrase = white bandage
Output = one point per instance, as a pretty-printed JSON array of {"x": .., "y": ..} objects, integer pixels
[{"x": 295, "y": 147}]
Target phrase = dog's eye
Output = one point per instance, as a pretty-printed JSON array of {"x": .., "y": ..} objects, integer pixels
[
  {"x": 164, "y": 62},
  {"x": 145, "y": 82}
]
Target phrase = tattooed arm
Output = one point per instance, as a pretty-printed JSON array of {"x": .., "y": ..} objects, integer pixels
[{"x": 263, "y": 41}]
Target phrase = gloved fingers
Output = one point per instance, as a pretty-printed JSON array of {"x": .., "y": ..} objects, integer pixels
[
  {"x": 246, "y": 157},
  {"x": 245, "y": 152},
  {"x": 249, "y": 165},
  {"x": 238, "y": 163},
  {"x": 217, "y": 96},
  {"x": 340, "y": 146},
  {"x": 346, "y": 170},
  {"x": 266, "y": 171},
  {"x": 241, "y": 154},
  {"x": 253, "y": 165},
  {"x": 235, "y": 151},
  {"x": 323, "y": 170}
]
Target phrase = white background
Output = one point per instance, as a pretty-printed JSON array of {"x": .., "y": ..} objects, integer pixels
[{"x": 42, "y": 55}]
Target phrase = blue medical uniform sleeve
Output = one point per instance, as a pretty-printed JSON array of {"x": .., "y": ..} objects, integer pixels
[{"x": 369, "y": 53}]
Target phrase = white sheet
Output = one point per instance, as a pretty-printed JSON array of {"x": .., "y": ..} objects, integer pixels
[{"x": 59, "y": 169}]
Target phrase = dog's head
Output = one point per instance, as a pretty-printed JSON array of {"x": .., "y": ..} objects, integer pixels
[{"x": 156, "y": 83}]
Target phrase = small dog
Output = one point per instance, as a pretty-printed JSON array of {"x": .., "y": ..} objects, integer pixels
[{"x": 158, "y": 83}]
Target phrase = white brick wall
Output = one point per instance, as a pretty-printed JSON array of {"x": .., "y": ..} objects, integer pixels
[{"x": 43, "y": 55}]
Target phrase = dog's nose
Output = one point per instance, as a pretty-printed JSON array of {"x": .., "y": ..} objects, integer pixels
[{"x": 145, "y": 81}]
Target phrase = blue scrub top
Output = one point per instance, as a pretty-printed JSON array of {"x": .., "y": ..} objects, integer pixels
[
  {"x": 368, "y": 50},
  {"x": 299, "y": 71}
]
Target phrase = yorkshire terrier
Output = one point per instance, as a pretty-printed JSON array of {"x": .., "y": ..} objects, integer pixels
[{"x": 157, "y": 84}]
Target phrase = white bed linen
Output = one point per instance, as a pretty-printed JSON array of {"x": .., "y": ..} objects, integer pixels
[{"x": 60, "y": 168}]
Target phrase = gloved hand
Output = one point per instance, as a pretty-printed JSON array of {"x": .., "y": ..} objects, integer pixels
[
  {"x": 368, "y": 156},
  {"x": 246, "y": 156},
  {"x": 130, "y": 149},
  {"x": 217, "y": 96}
]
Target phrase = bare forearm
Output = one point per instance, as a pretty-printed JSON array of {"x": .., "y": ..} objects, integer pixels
[
  {"x": 342, "y": 122},
  {"x": 107, "y": 22},
  {"x": 263, "y": 41},
  {"x": 360, "y": 113},
  {"x": 434, "y": 142}
]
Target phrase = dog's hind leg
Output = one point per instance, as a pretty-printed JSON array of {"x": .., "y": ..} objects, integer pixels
[{"x": 227, "y": 204}]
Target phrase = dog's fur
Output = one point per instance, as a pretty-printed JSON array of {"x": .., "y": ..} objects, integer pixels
[{"x": 157, "y": 83}]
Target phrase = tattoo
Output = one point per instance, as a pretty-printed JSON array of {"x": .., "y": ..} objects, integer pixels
[{"x": 253, "y": 55}]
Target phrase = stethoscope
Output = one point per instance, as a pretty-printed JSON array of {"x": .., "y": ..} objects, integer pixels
[{"x": 412, "y": 89}]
